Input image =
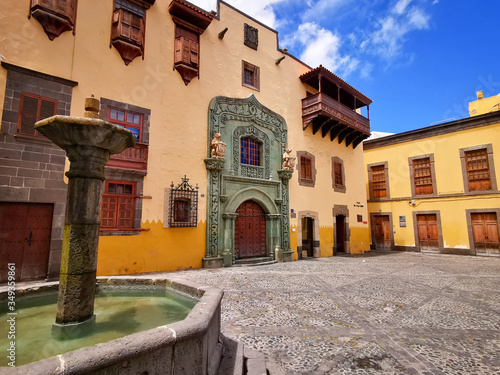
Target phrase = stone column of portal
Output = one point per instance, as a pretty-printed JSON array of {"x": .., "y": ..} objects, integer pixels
[
  {"x": 272, "y": 221},
  {"x": 81, "y": 230},
  {"x": 228, "y": 254}
]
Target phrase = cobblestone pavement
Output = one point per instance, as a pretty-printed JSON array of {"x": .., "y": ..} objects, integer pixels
[{"x": 373, "y": 313}]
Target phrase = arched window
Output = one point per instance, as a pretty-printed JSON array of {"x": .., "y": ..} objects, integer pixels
[{"x": 250, "y": 152}]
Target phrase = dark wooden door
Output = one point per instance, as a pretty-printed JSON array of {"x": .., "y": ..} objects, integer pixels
[
  {"x": 25, "y": 230},
  {"x": 307, "y": 235},
  {"x": 382, "y": 232},
  {"x": 428, "y": 234},
  {"x": 485, "y": 232},
  {"x": 340, "y": 233},
  {"x": 250, "y": 231}
]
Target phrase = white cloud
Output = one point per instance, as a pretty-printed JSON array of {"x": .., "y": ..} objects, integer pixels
[
  {"x": 401, "y": 5},
  {"x": 322, "y": 7},
  {"x": 261, "y": 10},
  {"x": 322, "y": 47},
  {"x": 388, "y": 39}
]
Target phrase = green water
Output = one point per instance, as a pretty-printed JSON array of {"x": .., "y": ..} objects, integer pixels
[{"x": 118, "y": 313}]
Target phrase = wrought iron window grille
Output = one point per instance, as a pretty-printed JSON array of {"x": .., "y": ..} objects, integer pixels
[{"x": 183, "y": 205}]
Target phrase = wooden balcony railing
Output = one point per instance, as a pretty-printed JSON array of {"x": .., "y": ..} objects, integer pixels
[
  {"x": 133, "y": 158},
  {"x": 321, "y": 104}
]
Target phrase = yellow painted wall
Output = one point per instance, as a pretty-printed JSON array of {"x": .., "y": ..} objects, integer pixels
[
  {"x": 484, "y": 105},
  {"x": 449, "y": 181},
  {"x": 178, "y": 131}
]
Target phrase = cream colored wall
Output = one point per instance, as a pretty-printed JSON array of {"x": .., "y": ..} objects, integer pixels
[
  {"x": 449, "y": 180},
  {"x": 179, "y": 113}
]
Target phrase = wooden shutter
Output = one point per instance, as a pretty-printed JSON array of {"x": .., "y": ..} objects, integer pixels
[
  {"x": 128, "y": 26},
  {"x": 379, "y": 187},
  {"x": 478, "y": 170},
  {"x": 108, "y": 211},
  {"x": 305, "y": 168},
  {"x": 187, "y": 47},
  {"x": 32, "y": 109},
  {"x": 337, "y": 171},
  {"x": 422, "y": 176}
]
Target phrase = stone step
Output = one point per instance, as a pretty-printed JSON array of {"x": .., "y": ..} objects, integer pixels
[
  {"x": 232, "y": 358},
  {"x": 240, "y": 360},
  {"x": 253, "y": 261}
]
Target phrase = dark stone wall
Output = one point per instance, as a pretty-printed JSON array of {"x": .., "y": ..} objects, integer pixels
[{"x": 32, "y": 168}]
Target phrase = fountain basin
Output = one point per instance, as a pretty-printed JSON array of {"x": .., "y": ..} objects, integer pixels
[{"x": 184, "y": 347}]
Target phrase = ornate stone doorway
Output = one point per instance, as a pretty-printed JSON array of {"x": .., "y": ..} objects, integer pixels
[{"x": 250, "y": 231}]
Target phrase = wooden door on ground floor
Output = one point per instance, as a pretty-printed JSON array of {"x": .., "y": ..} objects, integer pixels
[
  {"x": 485, "y": 233},
  {"x": 25, "y": 230},
  {"x": 340, "y": 233},
  {"x": 250, "y": 231},
  {"x": 428, "y": 233},
  {"x": 307, "y": 236},
  {"x": 382, "y": 232}
]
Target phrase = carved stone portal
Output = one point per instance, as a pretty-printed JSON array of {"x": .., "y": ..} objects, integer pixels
[{"x": 232, "y": 183}]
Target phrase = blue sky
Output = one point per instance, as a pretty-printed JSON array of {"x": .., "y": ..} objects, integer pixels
[{"x": 420, "y": 61}]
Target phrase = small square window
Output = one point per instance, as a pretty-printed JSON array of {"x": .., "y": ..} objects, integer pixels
[
  {"x": 250, "y": 76},
  {"x": 34, "y": 108},
  {"x": 360, "y": 218}
]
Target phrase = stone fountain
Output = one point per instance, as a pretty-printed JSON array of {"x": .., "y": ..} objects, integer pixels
[
  {"x": 189, "y": 346},
  {"x": 88, "y": 143}
]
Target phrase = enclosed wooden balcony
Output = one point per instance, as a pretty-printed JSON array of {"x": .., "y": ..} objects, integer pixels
[
  {"x": 334, "y": 108},
  {"x": 132, "y": 159}
]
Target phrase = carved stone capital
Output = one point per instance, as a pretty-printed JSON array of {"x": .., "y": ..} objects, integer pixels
[
  {"x": 214, "y": 164},
  {"x": 230, "y": 216},
  {"x": 273, "y": 216},
  {"x": 285, "y": 174}
]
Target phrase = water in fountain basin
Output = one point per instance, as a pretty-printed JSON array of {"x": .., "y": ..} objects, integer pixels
[{"x": 119, "y": 312}]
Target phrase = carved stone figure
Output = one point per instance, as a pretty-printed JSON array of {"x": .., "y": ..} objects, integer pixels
[
  {"x": 288, "y": 160},
  {"x": 218, "y": 147}
]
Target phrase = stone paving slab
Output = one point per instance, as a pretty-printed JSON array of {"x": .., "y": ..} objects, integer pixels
[{"x": 373, "y": 313}]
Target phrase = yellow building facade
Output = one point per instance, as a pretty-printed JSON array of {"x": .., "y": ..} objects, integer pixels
[
  {"x": 435, "y": 189},
  {"x": 176, "y": 76}
]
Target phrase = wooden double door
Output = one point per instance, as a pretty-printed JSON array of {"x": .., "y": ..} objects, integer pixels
[
  {"x": 382, "y": 225},
  {"x": 428, "y": 233},
  {"x": 250, "y": 231},
  {"x": 25, "y": 230},
  {"x": 485, "y": 233}
]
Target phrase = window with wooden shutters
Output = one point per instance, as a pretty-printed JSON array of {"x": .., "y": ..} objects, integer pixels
[
  {"x": 305, "y": 168},
  {"x": 128, "y": 30},
  {"x": 250, "y": 76},
  {"x": 378, "y": 182},
  {"x": 422, "y": 176},
  {"x": 478, "y": 170},
  {"x": 187, "y": 47},
  {"x": 34, "y": 108},
  {"x": 118, "y": 205},
  {"x": 55, "y": 16},
  {"x": 338, "y": 175}
]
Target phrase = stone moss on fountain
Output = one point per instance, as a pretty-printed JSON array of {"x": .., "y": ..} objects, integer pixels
[{"x": 88, "y": 143}]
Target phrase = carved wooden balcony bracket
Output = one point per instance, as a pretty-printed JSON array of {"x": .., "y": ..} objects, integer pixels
[{"x": 56, "y": 17}]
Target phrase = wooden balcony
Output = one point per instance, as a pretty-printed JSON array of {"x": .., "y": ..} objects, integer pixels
[
  {"x": 333, "y": 108},
  {"x": 322, "y": 105},
  {"x": 132, "y": 159}
]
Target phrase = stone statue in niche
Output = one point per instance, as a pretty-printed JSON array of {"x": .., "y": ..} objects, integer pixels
[
  {"x": 218, "y": 147},
  {"x": 288, "y": 160}
]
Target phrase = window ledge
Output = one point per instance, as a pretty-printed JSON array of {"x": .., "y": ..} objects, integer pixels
[
  {"x": 250, "y": 87},
  {"x": 121, "y": 232}
]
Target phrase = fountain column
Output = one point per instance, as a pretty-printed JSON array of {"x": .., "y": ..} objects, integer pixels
[{"x": 88, "y": 142}]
